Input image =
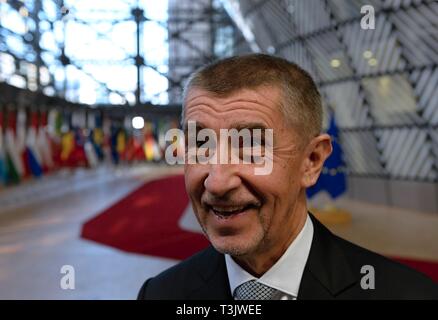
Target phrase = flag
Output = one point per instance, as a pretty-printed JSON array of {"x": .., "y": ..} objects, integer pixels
[
  {"x": 3, "y": 173},
  {"x": 14, "y": 161},
  {"x": 116, "y": 146},
  {"x": 72, "y": 151},
  {"x": 33, "y": 163},
  {"x": 33, "y": 156},
  {"x": 89, "y": 148},
  {"x": 67, "y": 145},
  {"x": 20, "y": 141},
  {"x": 121, "y": 144},
  {"x": 106, "y": 144},
  {"x": 333, "y": 178},
  {"x": 95, "y": 123},
  {"x": 98, "y": 139},
  {"x": 90, "y": 151},
  {"x": 135, "y": 148},
  {"x": 13, "y": 176},
  {"x": 54, "y": 135},
  {"x": 79, "y": 157},
  {"x": 151, "y": 148},
  {"x": 44, "y": 144}
]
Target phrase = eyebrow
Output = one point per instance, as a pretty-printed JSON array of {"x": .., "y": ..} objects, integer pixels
[
  {"x": 249, "y": 125},
  {"x": 238, "y": 126}
]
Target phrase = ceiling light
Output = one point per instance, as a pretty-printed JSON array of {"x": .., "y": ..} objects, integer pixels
[
  {"x": 335, "y": 63},
  {"x": 367, "y": 54},
  {"x": 372, "y": 62},
  {"x": 138, "y": 122}
]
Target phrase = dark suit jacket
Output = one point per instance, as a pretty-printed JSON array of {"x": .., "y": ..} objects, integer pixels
[{"x": 332, "y": 271}]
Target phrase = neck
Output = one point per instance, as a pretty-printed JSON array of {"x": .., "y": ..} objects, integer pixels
[{"x": 259, "y": 262}]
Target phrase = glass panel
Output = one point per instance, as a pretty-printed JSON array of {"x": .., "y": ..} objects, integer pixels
[{"x": 392, "y": 100}]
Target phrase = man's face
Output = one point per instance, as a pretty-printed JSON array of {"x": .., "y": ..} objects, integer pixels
[{"x": 240, "y": 212}]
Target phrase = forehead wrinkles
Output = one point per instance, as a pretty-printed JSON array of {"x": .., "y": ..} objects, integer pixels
[
  {"x": 216, "y": 111},
  {"x": 260, "y": 95},
  {"x": 220, "y": 106}
]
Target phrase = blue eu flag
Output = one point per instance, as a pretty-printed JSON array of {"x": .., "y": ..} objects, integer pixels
[{"x": 332, "y": 178}]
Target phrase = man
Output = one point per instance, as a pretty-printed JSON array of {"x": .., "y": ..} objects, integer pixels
[{"x": 265, "y": 245}]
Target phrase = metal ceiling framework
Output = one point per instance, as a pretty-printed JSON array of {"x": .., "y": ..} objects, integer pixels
[
  {"x": 196, "y": 32},
  {"x": 199, "y": 32},
  {"x": 28, "y": 38},
  {"x": 382, "y": 84},
  {"x": 47, "y": 18}
]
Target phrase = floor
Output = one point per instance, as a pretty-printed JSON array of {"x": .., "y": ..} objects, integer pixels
[
  {"x": 40, "y": 227},
  {"x": 40, "y": 233}
]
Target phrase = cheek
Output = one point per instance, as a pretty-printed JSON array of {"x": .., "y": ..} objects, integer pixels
[
  {"x": 194, "y": 179},
  {"x": 287, "y": 171},
  {"x": 278, "y": 189}
]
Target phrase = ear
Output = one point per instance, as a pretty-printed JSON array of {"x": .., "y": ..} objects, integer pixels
[{"x": 317, "y": 151}]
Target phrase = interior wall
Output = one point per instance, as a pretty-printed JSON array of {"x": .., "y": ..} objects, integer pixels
[{"x": 418, "y": 196}]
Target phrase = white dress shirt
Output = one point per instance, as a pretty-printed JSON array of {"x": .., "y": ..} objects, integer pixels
[{"x": 285, "y": 275}]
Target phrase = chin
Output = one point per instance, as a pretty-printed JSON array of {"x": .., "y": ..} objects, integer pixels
[
  {"x": 234, "y": 247},
  {"x": 232, "y": 251}
]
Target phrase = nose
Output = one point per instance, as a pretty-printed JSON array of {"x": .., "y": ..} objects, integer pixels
[{"x": 221, "y": 179}]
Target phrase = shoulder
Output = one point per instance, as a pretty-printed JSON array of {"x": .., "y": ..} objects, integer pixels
[
  {"x": 177, "y": 281},
  {"x": 392, "y": 280},
  {"x": 349, "y": 271}
]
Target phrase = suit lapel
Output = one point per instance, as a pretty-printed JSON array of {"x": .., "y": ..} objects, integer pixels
[
  {"x": 211, "y": 279},
  {"x": 327, "y": 271}
]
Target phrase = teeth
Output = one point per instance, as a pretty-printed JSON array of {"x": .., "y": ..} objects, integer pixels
[{"x": 227, "y": 210}]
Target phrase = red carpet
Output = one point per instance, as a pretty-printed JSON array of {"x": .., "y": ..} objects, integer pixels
[
  {"x": 427, "y": 267},
  {"x": 146, "y": 221}
]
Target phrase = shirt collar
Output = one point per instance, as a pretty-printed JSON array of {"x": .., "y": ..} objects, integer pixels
[{"x": 285, "y": 275}]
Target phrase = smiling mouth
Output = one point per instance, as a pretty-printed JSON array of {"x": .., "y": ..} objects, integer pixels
[{"x": 227, "y": 212}]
